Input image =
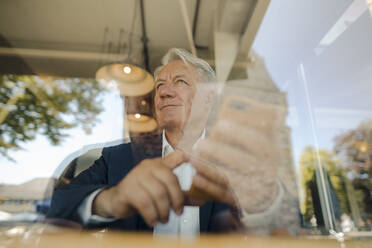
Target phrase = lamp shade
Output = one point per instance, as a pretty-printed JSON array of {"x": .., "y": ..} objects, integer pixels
[
  {"x": 130, "y": 80},
  {"x": 139, "y": 123}
]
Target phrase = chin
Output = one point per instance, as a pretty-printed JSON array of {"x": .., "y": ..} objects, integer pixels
[
  {"x": 170, "y": 119},
  {"x": 169, "y": 124}
]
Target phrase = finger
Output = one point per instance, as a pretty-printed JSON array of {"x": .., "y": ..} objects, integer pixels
[
  {"x": 175, "y": 159},
  {"x": 170, "y": 181},
  {"x": 211, "y": 172},
  {"x": 144, "y": 205},
  {"x": 222, "y": 194},
  {"x": 159, "y": 194}
]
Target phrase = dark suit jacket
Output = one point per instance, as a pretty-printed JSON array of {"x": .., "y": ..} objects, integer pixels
[{"x": 113, "y": 165}]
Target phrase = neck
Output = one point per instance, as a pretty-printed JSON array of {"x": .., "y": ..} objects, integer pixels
[
  {"x": 177, "y": 140},
  {"x": 173, "y": 136}
]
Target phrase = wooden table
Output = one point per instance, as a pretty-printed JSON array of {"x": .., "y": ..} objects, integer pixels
[{"x": 41, "y": 236}]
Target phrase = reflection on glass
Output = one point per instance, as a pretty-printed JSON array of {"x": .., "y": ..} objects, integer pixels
[
  {"x": 311, "y": 206},
  {"x": 354, "y": 148},
  {"x": 34, "y": 105},
  {"x": 292, "y": 121},
  {"x": 38, "y": 114}
]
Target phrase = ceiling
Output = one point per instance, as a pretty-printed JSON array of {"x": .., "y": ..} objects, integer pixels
[{"x": 75, "y": 38}]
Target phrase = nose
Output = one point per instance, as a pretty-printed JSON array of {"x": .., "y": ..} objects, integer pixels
[{"x": 166, "y": 91}]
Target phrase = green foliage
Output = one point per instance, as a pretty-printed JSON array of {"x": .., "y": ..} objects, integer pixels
[
  {"x": 30, "y": 105},
  {"x": 356, "y": 147},
  {"x": 336, "y": 175}
]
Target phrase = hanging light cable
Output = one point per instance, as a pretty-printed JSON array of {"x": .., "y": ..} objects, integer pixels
[{"x": 125, "y": 76}]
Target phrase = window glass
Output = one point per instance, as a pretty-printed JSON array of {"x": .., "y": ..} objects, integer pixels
[
  {"x": 286, "y": 118},
  {"x": 319, "y": 55}
]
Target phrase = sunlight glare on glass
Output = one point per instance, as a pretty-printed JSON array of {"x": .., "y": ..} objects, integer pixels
[{"x": 351, "y": 15}]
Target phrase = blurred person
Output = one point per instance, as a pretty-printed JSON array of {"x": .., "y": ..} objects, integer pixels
[{"x": 184, "y": 181}]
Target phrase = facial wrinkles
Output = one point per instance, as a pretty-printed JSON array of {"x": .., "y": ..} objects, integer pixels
[
  {"x": 168, "y": 82},
  {"x": 176, "y": 96}
]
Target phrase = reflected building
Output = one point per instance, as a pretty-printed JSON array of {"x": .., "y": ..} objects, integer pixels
[
  {"x": 259, "y": 86},
  {"x": 26, "y": 197}
]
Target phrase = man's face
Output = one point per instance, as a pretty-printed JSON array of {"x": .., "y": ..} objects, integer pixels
[{"x": 175, "y": 90}]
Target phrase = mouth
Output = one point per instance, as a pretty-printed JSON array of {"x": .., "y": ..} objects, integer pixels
[{"x": 169, "y": 106}]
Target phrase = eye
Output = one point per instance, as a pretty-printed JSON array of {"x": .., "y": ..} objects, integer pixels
[
  {"x": 181, "y": 81},
  {"x": 159, "y": 85}
]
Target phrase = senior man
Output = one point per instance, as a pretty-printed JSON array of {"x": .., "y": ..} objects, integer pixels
[{"x": 151, "y": 191}]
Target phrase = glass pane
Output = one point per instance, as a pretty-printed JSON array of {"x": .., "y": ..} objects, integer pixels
[
  {"x": 319, "y": 54},
  {"x": 282, "y": 129},
  {"x": 45, "y": 123}
]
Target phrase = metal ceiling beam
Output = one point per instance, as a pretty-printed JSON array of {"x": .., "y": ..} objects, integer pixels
[
  {"x": 236, "y": 25},
  {"x": 187, "y": 24},
  {"x": 252, "y": 27},
  {"x": 194, "y": 25},
  {"x": 58, "y": 54},
  {"x": 225, "y": 49}
]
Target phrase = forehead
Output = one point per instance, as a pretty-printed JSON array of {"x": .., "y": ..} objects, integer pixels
[{"x": 177, "y": 68}]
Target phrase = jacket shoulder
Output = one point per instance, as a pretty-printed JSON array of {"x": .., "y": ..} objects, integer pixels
[
  {"x": 116, "y": 148},
  {"x": 117, "y": 152}
]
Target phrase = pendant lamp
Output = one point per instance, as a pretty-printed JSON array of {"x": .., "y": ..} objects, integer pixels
[
  {"x": 139, "y": 123},
  {"x": 129, "y": 79}
]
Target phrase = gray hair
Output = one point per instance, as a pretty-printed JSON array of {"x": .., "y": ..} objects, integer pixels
[{"x": 204, "y": 69}]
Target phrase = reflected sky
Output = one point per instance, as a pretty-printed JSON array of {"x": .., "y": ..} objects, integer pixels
[{"x": 338, "y": 80}]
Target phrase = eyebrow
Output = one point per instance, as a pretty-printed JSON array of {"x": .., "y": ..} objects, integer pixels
[{"x": 179, "y": 75}]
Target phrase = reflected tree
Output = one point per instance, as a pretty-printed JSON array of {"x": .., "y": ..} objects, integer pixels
[
  {"x": 31, "y": 105},
  {"x": 355, "y": 148},
  {"x": 310, "y": 207}
]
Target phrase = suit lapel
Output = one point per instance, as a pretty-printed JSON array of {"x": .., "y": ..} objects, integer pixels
[{"x": 144, "y": 147}]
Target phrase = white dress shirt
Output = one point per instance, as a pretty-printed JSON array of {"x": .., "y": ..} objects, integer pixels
[{"x": 186, "y": 225}]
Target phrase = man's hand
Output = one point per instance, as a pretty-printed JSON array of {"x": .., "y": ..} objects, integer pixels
[
  {"x": 237, "y": 163},
  {"x": 151, "y": 189}
]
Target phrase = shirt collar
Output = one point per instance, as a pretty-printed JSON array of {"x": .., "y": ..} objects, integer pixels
[{"x": 169, "y": 148}]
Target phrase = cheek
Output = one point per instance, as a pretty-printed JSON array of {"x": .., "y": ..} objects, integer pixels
[
  {"x": 156, "y": 97},
  {"x": 156, "y": 109},
  {"x": 189, "y": 104},
  {"x": 156, "y": 102}
]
